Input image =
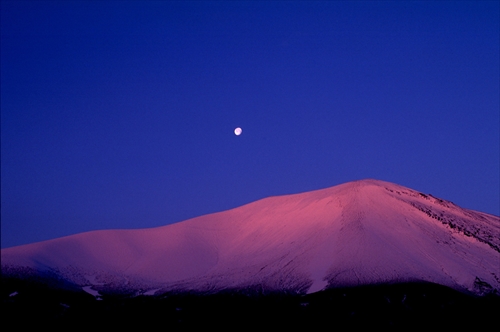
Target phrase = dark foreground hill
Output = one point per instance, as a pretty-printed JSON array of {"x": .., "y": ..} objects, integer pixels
[{"x": 408, "y": 305}]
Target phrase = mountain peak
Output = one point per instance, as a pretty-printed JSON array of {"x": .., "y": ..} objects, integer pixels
[{"x": 357, "y": 233}]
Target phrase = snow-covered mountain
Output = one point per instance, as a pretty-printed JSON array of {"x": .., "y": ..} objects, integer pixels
[{"x": 358, "y": 233}]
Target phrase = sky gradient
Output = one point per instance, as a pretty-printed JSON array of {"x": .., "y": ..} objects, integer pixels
[{"x": 120, "y": 114}]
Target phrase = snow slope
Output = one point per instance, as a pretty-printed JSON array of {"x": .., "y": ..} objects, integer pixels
[{"x": 357, "y": 233}]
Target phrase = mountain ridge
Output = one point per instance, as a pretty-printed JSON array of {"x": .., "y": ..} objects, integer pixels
[{"x": 358, "y": 233}]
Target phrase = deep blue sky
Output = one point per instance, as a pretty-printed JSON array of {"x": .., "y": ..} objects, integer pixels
[{"x": 119, "y": 114}]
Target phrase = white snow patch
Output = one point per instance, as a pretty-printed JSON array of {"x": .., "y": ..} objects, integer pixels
[
  {"x": 92, "y": 292},
  {"x": 151, "y": 292},
  {"x": 317, "y": 286}
]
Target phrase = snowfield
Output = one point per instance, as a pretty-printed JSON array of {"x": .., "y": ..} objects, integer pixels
[{"x": 358, "y": 233}]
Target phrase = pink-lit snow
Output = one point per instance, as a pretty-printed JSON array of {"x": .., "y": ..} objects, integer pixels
[{"x": 357, "y": 233}]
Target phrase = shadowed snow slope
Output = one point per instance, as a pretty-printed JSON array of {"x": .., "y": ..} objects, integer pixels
[{"x": 362, "y": 232}]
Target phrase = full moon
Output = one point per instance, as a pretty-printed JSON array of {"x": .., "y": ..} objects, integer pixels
[{"x": 237, "y": 131}]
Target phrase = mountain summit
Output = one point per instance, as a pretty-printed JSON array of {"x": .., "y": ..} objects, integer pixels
[{"x": 358, "y": 233}]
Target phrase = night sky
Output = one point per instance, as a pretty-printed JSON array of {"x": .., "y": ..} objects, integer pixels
[{"x": 121, "y": 114}]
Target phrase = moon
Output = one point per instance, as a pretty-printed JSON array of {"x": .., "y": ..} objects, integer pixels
[{"x": 238, "y": 131}]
